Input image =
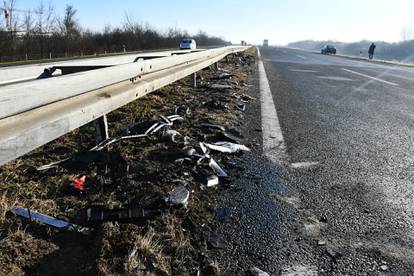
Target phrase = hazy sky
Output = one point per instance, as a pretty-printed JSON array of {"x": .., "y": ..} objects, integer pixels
[{"x": 280, "y": 21}]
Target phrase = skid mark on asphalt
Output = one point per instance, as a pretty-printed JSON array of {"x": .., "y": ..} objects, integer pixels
[
  {"x": 304, "y": 165},
  {"x": 370, "y": 77},
  {"x": 300, "y": 270},
  {"x": 334, "y": 78},
  {"x": 303, "y": 70},
  {"x": 302, "y": 57},
  {"x": 273, "y": 140}
]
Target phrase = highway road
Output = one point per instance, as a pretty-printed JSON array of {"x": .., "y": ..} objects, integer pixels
[{"x": 335, "y": 194}]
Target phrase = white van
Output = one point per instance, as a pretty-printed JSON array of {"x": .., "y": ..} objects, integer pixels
[{"x": 188, "y": 43}]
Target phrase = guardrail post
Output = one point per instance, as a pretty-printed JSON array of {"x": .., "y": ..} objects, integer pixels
[
  {"x": 193, "y": 80},
  {"x": 216, "y": 66},
  {"x": 101, "y": 126}
]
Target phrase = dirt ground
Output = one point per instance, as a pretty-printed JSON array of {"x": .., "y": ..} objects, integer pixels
[{"x": 140, "y": 173}]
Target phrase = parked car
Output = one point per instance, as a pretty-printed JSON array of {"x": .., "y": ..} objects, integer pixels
[
  {"x": 328, "y": 49},
  {"x": 188, "y": 43}
]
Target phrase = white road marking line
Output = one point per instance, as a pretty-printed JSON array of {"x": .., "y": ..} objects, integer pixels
[
  {"x": 302, "y": 57},
  {"x": 272, "y": 133},
  {"x": 370, "y": 77},
  {"x": 303, "y": 70},
  {"x": 334, "y": 78}
]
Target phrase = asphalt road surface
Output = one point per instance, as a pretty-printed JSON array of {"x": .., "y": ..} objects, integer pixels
[{"x": 338, "y": 197}]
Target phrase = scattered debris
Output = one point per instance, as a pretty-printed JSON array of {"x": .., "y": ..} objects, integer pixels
[
  {"x": 321, "y": 242},
  {"x": 233, "y": 135},
  {"x": 98, "y": 215},
  {"x": 216, "y": 168},
  {"x": 61, "y": 224},
  {"x": 161, "y": 122},
  {"x": 214, "y": 241},
  {"x": 384, "y": 267},
  {"x": 223, "y": 213},
  {"x": 178, "y": 196},
  {"x": 241, "y": 107},
  {"x": 221, "y": 87},
  {"x": 223, "y": 76},
  {"x": 216, "y": 104},
  {"x": 254, "y": 271},
  {"x": 170, "y": 135},
  {"x": 227, "y": 147},
  {"x": 78, "y": 184},
  {"x": 212, "y": 180},
  {"x": 207, "y": 125}
]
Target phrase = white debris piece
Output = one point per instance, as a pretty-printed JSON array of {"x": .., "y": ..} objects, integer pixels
[
  {"x": 226, "y": 147},
  {"x": 212, "y": 180},
  {"x": 254, "y": 271},
  {"x": 216, "y": 168},
  {"x": 170, "y": 135}
]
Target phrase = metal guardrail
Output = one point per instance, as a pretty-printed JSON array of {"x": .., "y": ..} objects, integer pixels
[{"x": 37, "y": 112}]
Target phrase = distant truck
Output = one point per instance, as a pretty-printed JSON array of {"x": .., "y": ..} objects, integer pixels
[{"x": 266, "y": 43}]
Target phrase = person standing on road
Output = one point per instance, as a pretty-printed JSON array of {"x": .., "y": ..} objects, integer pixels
[{"x": 371, "y": 50}]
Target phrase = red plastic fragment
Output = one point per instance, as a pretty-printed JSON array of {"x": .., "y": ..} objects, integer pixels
[{"x": 78, "y": 183}]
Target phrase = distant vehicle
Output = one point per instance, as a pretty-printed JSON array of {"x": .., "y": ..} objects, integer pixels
[
  {"x": 188, "y": 43},
  {"x": 328, "y": 49},
  {"x": 266, "y": 43}
]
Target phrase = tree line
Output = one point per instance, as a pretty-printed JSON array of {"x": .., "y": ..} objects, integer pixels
[
  {"x": 398, "y": 51},
  {"x": 41, "y": 33}
]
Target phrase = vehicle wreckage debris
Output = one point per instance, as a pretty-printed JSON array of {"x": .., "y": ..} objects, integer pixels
[
  {"x": 254, "y": 271},
  {"x": 57, "y": 223},
  {"x": 178, "y": 196},
  {"x": 162, "y": 122},
  {"x": 221, "y": 87},
  {"x": 212, "y": 180},
  {"x": 226, "y": 147},
  {"x": 79, "y": 184},
  {"x": 97, "y": 215},
  {"x": 137, "y": 174}
]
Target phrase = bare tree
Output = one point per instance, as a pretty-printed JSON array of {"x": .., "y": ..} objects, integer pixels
[
  {"x": 406, "y": 33},
  {"x": 28, "y": 23},
  {"x": 69, "y": 25},
  {"x": 46, "y": 18}
]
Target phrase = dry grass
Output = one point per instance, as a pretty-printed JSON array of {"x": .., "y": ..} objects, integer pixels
[
  {"x": 146, "y": 248},
  {"x": 20, "y": 249}
]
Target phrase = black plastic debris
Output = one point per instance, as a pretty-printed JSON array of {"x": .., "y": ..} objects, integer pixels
[
  {"x": 213, "y": 126},
  {"x": 223, "y": 213},
  {"x": 98, "y": 215},
  {"x": 57, "y": 223},
  {"x": 216, "y": 104},
  {"x": 83, "y": 160},
  {"x": 214, "y": 241}
]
